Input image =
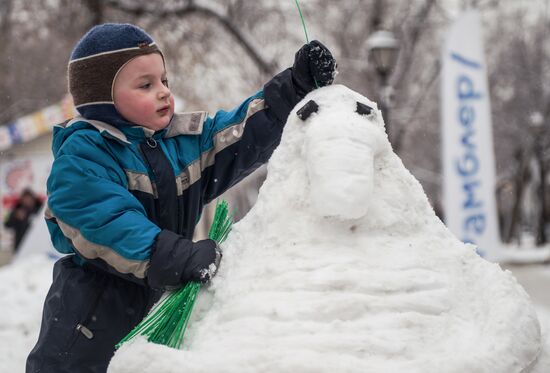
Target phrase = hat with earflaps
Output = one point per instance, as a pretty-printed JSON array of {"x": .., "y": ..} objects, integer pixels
[{"x": 95, "y": 62}]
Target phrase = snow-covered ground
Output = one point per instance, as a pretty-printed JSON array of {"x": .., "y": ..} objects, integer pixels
[{"x": 23, "y": 288}]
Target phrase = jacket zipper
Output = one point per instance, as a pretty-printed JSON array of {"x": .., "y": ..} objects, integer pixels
[
  {"x": 152, "y": 144},
  {"x": 80, "y": 327},
  {"x": 84, "y": 330}
]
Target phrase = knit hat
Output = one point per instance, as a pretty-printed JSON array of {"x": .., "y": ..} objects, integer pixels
[{"x": 95, "y": 62}]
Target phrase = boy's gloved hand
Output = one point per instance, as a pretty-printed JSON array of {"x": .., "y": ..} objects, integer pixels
[
  {"x": 313, "y": 63},
  {"x": 176, "y": 260},
  {"x": 204, "y": 260}
]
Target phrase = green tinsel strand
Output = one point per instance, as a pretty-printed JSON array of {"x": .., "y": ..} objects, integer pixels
[
  {"x": 302, "y": 18},
  {"x": 305, "y": 32},
  {"x": 167, "y": 322}
]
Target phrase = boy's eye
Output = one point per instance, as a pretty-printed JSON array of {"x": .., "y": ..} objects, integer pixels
[
  {"x": 165, "y": 82},
  {"x": 145, "y": 86}
]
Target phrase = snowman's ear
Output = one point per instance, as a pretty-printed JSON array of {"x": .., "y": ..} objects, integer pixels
[{"x": 309, "y": 108}]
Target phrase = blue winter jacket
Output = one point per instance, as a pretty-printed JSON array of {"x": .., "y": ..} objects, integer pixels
[{"x": 123, "y": 199}]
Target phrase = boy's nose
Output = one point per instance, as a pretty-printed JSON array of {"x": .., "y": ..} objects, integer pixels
[{"x": 164, "y": 93}]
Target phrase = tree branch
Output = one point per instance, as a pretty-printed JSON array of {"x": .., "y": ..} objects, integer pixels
[
  {"x": 193, "y": 9},
  {"x": 96, "y": 9},
  {"x": 413, "y": 32}
]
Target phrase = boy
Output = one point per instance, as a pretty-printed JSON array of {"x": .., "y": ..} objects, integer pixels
[{"x": 128, "y": 184}]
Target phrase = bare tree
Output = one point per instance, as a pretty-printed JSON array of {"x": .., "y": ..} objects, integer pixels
[
  {"x": 190, "y": 8},
  {"x": 5, "y": 42},
  {"x": 519, "y": 70}
]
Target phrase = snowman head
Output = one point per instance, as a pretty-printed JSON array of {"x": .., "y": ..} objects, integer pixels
[{"x": 343, "y": 134}]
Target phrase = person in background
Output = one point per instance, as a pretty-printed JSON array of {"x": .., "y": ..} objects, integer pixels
[{"x": 19, "y": 219}]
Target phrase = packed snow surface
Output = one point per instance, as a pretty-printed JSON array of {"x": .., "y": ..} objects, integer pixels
[
  {"x": 23, "y": 287},
  {"x": 342, "y": 266}
]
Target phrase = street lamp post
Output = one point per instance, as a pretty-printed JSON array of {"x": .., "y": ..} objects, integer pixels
[{"x": 383, "y": 50}]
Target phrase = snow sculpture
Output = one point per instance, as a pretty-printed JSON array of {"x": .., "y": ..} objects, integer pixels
[{"x": 342, "y": 266}]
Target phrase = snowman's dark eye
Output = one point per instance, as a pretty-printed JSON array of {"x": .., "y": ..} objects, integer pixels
[
  {"x": 363, "y": 109},
  {"x": 309, "y": 108}
]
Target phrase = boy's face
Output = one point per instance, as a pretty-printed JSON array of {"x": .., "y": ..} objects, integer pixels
[{"x": 141, "y": 93}]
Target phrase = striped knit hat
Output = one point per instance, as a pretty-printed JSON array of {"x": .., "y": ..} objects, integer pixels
[{"x": 96, "y": 60}]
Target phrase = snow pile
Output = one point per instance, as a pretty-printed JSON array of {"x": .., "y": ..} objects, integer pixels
[
  {"x": 543, "y": 362},
  {"x": 23, "y": 288},
  {"x": 342, "y": 266}
]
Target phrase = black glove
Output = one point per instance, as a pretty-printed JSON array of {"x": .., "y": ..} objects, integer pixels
[
  {"x": 176, "y": 260},
  {"x": 203, "y": 261},
  {"x": 313, "y": 65}
]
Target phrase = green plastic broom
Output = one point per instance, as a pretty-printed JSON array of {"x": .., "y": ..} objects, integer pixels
[{"x": 167, "y": 321}]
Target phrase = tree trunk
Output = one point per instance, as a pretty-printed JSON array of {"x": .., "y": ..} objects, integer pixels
[
  {"x": 5, "y": 59},
  {"x": 543, "y": 214},
  {"x": 521, "y": 178},
  {"x": 95, "y": 8}
]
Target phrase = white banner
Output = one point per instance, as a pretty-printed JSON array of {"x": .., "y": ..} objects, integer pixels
[{"x": 468, "y": 155}]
